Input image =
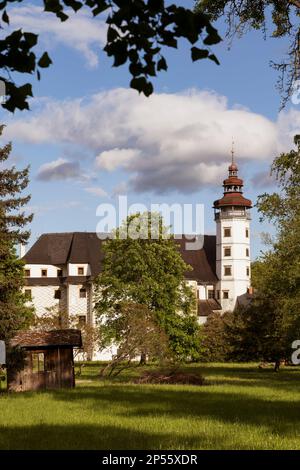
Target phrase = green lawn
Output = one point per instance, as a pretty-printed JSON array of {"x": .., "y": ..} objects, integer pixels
[{"x": 241, "y": 407}]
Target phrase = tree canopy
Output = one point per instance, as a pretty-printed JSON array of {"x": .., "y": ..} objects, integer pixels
[
  {"x": 137, "y": 33},
  {"x": 243, "y": 15},
  {"x": 150, "y": 272}
]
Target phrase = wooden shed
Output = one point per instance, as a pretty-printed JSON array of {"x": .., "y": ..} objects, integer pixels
[{"x": 48, "y": 360}]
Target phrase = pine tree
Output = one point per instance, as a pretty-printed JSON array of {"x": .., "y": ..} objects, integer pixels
[{"x": 14, "y": 314}]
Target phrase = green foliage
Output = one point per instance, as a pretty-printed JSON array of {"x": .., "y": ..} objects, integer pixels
[
  {"x": 216, "y": 347},
  {"x": 149, "y": 272},
  {"x": 243, "y": 15},
  {"x": 137, "y": 334},
  {"x": 272, "y": 322},
  {"x": 137, "y": 33},
  {"x": 14, "y": 315}
]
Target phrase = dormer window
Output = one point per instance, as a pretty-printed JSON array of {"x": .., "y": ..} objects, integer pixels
[
  {"x": 44, "y": 272},
  {"x": 59, "y": 273},
  {"x": 80, "y": 271},
  {"x": 27, "y": 272}
]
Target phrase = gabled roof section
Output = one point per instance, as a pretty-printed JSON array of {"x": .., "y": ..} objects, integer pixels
[
  {"x": 86, "y": 248},
  {"x": 50, "y": 248},
  {"x": 203, "y": 261}
]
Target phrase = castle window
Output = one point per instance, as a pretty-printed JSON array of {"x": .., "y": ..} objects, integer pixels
[
  {"x": 248, "y": 271},
  {"x": 227, "y": 232},
  {"x": 82, "y": 319},
  {"x": 59, "y": 273},
  {"x": 80, "y": 271},
  {"x": 28, "y": 294},
  {"x": 218, "y": 294},
  {"x": 227, "y": 251},
  {"x": 247, "y": 252},
  {"x": 82, "y": 293},
  {"x": 247, "y": 233},
  {"x": 225, "y": 294},
  {"x": 227, "y": 271},
  {"x": 27, "y": 272},
  {"x": 57, "y": 294},
  {"x": 44, "y": 272},
  {"x": 211, "y": 294}
]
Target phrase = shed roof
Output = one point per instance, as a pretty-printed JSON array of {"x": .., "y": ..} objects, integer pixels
[{"x": 41, "y": 339}]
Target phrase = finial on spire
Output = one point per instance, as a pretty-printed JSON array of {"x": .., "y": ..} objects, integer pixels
[{"x": 232, "y": 151}]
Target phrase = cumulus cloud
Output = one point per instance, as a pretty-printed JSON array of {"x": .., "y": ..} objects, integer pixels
[
  {"x": 167, "y": 142},
  {"x": 81, "y": 31},
  {"x": 96, "y": 191},
  {"x": 59, "y": 170},
  {"x": 115, "y": 158}
]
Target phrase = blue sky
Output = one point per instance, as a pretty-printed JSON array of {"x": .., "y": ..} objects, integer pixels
[{"x": 89, "y": 138}]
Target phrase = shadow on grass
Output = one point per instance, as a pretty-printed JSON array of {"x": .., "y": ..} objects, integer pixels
[
  {"x": 97, "y": 437},
  {"x": 277, "y": 416}
]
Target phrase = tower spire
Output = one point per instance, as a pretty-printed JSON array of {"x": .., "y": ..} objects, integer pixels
[{"x": 232, "y": 151}]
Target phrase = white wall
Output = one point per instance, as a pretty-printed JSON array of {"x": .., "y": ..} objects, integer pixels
[
  {"x": 238, "y": 283},
  {"x": 43, "y": 298},
  {"x": 36, "y": 270},
  {"x": 73, "y": 269}
]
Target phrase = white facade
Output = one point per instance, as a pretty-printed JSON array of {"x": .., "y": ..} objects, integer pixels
[{"x": 232, "y": 256}]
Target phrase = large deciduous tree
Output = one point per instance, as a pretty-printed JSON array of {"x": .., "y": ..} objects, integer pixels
[
  {"x": 14, "y": 314},
  {"x": 145, "y": 267},
  {"x": 138, "y": 31},
  {"x": 243, "y": 15}
]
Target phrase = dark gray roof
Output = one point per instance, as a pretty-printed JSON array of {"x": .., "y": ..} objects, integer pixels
[
  {"x": 207, "y": 307},
  {"x": 85, "y": 247}
]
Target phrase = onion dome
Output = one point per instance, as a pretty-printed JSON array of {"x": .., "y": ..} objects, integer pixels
[{"x": 233, "y": 191}]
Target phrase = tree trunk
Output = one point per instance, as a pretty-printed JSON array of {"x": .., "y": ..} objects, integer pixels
[
  {"x": 277, "y": 365},
  {"x": 143, "y": 359}
]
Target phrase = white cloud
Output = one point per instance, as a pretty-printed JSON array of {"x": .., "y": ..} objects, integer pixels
[
  {"x": 96, "y": 191},
  {"x": 81, "y": 31},
  {"x": 166, "y": 142},
  {"x": 111, "y": 159},
  {"x": 59, "y": 169}
]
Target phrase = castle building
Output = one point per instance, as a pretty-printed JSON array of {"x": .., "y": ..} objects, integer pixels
[{"x": 61, "y": 267}]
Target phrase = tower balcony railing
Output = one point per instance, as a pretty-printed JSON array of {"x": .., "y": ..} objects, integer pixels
[{"x": 233, "y": 214}]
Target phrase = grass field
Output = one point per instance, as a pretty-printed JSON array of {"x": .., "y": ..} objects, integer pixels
[{"x": 241, "y": 407}]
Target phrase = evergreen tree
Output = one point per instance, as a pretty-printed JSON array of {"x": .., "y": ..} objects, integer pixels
[
  {"x": 14, "y": 314},
  {"x": 148, "y": 270}
]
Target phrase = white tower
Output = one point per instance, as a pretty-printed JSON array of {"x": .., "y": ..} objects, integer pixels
[{"x": 232, "y": 216}]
